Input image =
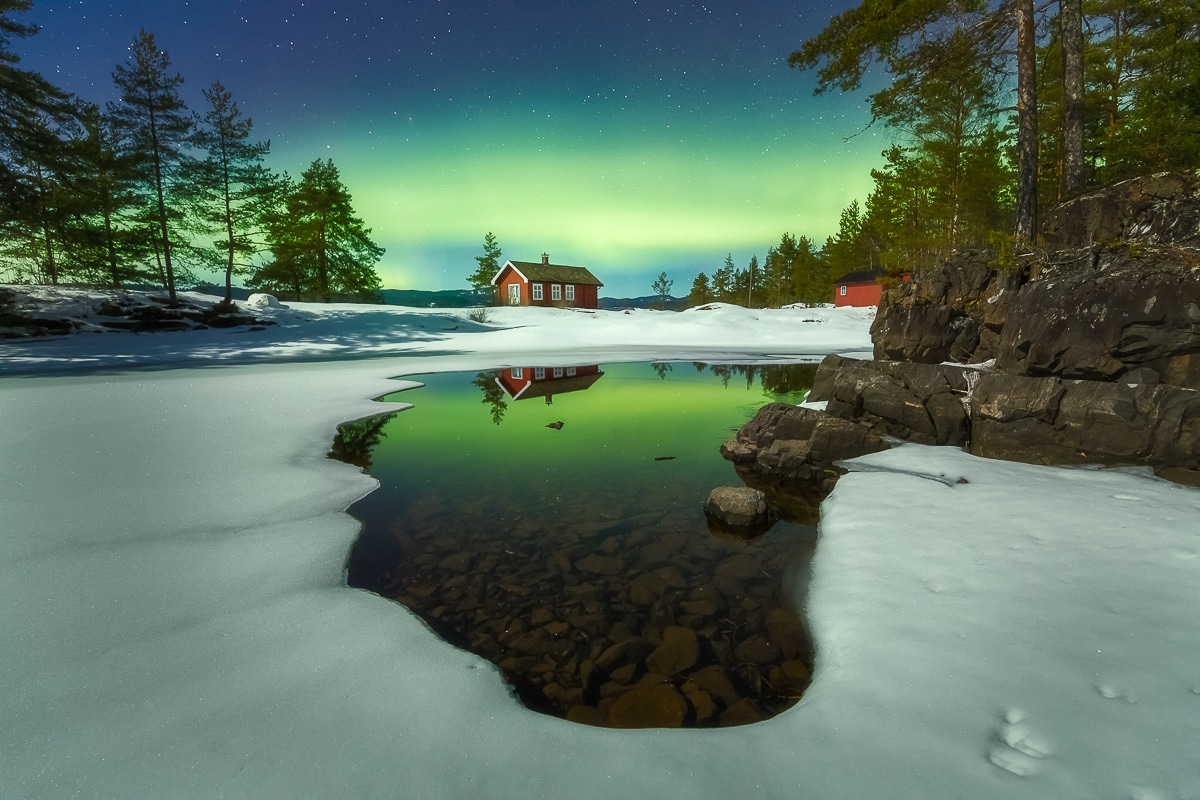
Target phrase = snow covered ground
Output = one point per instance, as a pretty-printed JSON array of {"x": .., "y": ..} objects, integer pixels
[
  {"x": 323, "y": 331},
  {"x": 174, "y": 621}
]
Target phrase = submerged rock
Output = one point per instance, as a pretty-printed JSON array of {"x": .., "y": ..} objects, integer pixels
[{"x": 738, "y": 507}]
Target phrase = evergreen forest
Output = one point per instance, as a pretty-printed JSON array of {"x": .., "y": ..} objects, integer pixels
[
  {"x": 994, "y": 109},
  {"x": 145, "y": 192}
]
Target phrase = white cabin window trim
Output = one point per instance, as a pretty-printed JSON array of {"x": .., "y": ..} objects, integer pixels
[
  {"x": 556, "y": 291},
  {"x": 537, "y": 291},
  {"x": 518, "y": 373},
  {"x": 570, "y": 372},
  {"x": 539, "y": 373},
  {"x": 843, "y": 291},
  {"x": 571, "y": 292},
  {"x": 558, "y": 372}
]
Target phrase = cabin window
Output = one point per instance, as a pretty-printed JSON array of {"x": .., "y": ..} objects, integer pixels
[
  {"x": 537, "y": 291},
  {"x": 539, "y": 373},
  {"x": 555, "y": 291},
  {"x": 518, "y": 373},
  {"x": 558, "y": 372},
  {"x": 571, "y": 292},
  {"x": 570, "y": 372},
  {"x": 843, "y": 291}
]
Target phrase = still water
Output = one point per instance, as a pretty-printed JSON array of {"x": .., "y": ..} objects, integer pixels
[{"x": 550, "y": 520}]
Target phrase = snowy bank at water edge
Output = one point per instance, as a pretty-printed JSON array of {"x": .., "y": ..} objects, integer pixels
[
  {"x": 322, "y": 331},
  {"x": 175, "y": 621}
]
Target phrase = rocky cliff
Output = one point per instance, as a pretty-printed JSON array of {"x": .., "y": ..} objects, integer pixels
[{"x": 1084, "y": 351}]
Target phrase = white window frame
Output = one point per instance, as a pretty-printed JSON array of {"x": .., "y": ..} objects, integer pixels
[
  {"x": 570, "y": 372},
  {"x": 514, "y": 294},
  {"x": 537, "y": 291},
  {"x": 843, "y": 291},
  {"x": 518, "y": 373},
  {"x": 558, "y": 372},
  {"x": 571, "y": 292},
  {"x": 556, "y": 291},
  {"x": 539, "y": 373}
]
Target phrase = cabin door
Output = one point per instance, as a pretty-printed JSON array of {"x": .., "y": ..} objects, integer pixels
[{"x": 514, "y": 294}]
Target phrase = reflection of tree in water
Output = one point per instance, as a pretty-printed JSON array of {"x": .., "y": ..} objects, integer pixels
[
  {"x": 493, "y": 394},
  {"x": 355, "y": 440},
  {"x": 775, "y": 378},
  {"x": 661, "y": 368},
  {"x": 787, "y": 378}
]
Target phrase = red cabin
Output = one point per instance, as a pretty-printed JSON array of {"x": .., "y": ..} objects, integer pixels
[
  {"x": 528, "y": 283},
  {"x": 862, "y": 288}
]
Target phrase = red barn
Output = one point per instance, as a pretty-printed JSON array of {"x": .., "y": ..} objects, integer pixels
[
  {"x": 523, "y": 383},
  {"x": 528, "y": 283},
  {"x": 862, "y": 288}
]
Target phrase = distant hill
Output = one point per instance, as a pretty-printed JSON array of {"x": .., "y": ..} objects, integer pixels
[
  {"x": 208, "y": 288},
  {"x": 450, "y": 298},
  {"x": 649, "y": 301}
]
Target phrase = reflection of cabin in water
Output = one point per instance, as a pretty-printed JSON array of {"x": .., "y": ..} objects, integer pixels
[{"x": 522, "y": 383}]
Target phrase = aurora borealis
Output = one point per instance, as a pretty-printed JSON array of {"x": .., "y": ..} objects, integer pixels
[{"x": 630, "y": 136}]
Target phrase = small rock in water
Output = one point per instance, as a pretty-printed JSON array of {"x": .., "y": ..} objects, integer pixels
[
  {"x": 679, "y": 651},
  {"x": 738, "y": 507},
  {"x": 649, "y": 706}
]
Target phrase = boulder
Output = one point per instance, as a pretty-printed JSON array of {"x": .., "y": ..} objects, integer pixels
[
  {"x": 793, "y": 442},
  {"x": 737, "y": 506},
  {"x": 262, "y": 300}
]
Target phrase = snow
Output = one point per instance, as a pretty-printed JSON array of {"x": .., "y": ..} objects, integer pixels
[
  {"x": 321, "y": 331},
  {"x": 174, "y": 621}
]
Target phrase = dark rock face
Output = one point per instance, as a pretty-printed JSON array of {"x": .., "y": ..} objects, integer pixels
[
  {"x": 1045, "y": 420},
  {"x": 1156, "y": 209},
  {"x": 1116, "y": 289},
  {"x": 1135, "y": 308},
  {"x": 918, "y": 402},
  {"x": 951, "y": 314},
  {"x": 1055, "y": 421}
]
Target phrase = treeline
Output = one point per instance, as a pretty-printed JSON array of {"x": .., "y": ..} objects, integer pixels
[
  {"x": 145, "y": 191},
  {"x": 995, "y": 109},
  {"x": 794, "y": 271}
]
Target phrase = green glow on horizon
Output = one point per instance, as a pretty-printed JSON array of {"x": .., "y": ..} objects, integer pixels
[{"x": 620, "y": 201}]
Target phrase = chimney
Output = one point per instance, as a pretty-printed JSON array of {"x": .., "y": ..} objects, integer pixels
[{"x": 546, "y": 259}]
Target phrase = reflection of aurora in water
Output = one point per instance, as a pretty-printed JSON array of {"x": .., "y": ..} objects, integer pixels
[{"x": 578, "y": 558}]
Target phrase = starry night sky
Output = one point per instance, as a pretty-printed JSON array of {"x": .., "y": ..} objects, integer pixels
[{"x": 628, "y": 136}]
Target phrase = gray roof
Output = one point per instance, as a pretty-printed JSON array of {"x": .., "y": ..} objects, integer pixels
[
  {"x": 556, "y": 273},
  {"x": 862, "y": 276}
]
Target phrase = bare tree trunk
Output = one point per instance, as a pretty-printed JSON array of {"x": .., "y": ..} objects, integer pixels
[
  {"x": 1027, "y": 125},
  {"x": 1070, "y": 17}
]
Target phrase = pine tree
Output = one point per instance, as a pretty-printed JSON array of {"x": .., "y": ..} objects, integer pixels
[
  {"x": 489, "y": 264},
  {"x": 701, "y": 292},
  {"x": 662, "y": 290},
  {"x": 157, "y": 127},
  {"x": 232, "y": 187},
  {"x": 320, "y": 247},
  {"x": 104, "y": 179}
]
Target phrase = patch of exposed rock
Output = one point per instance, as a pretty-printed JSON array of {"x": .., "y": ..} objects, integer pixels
[{"x": 1037, "y": 420}]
